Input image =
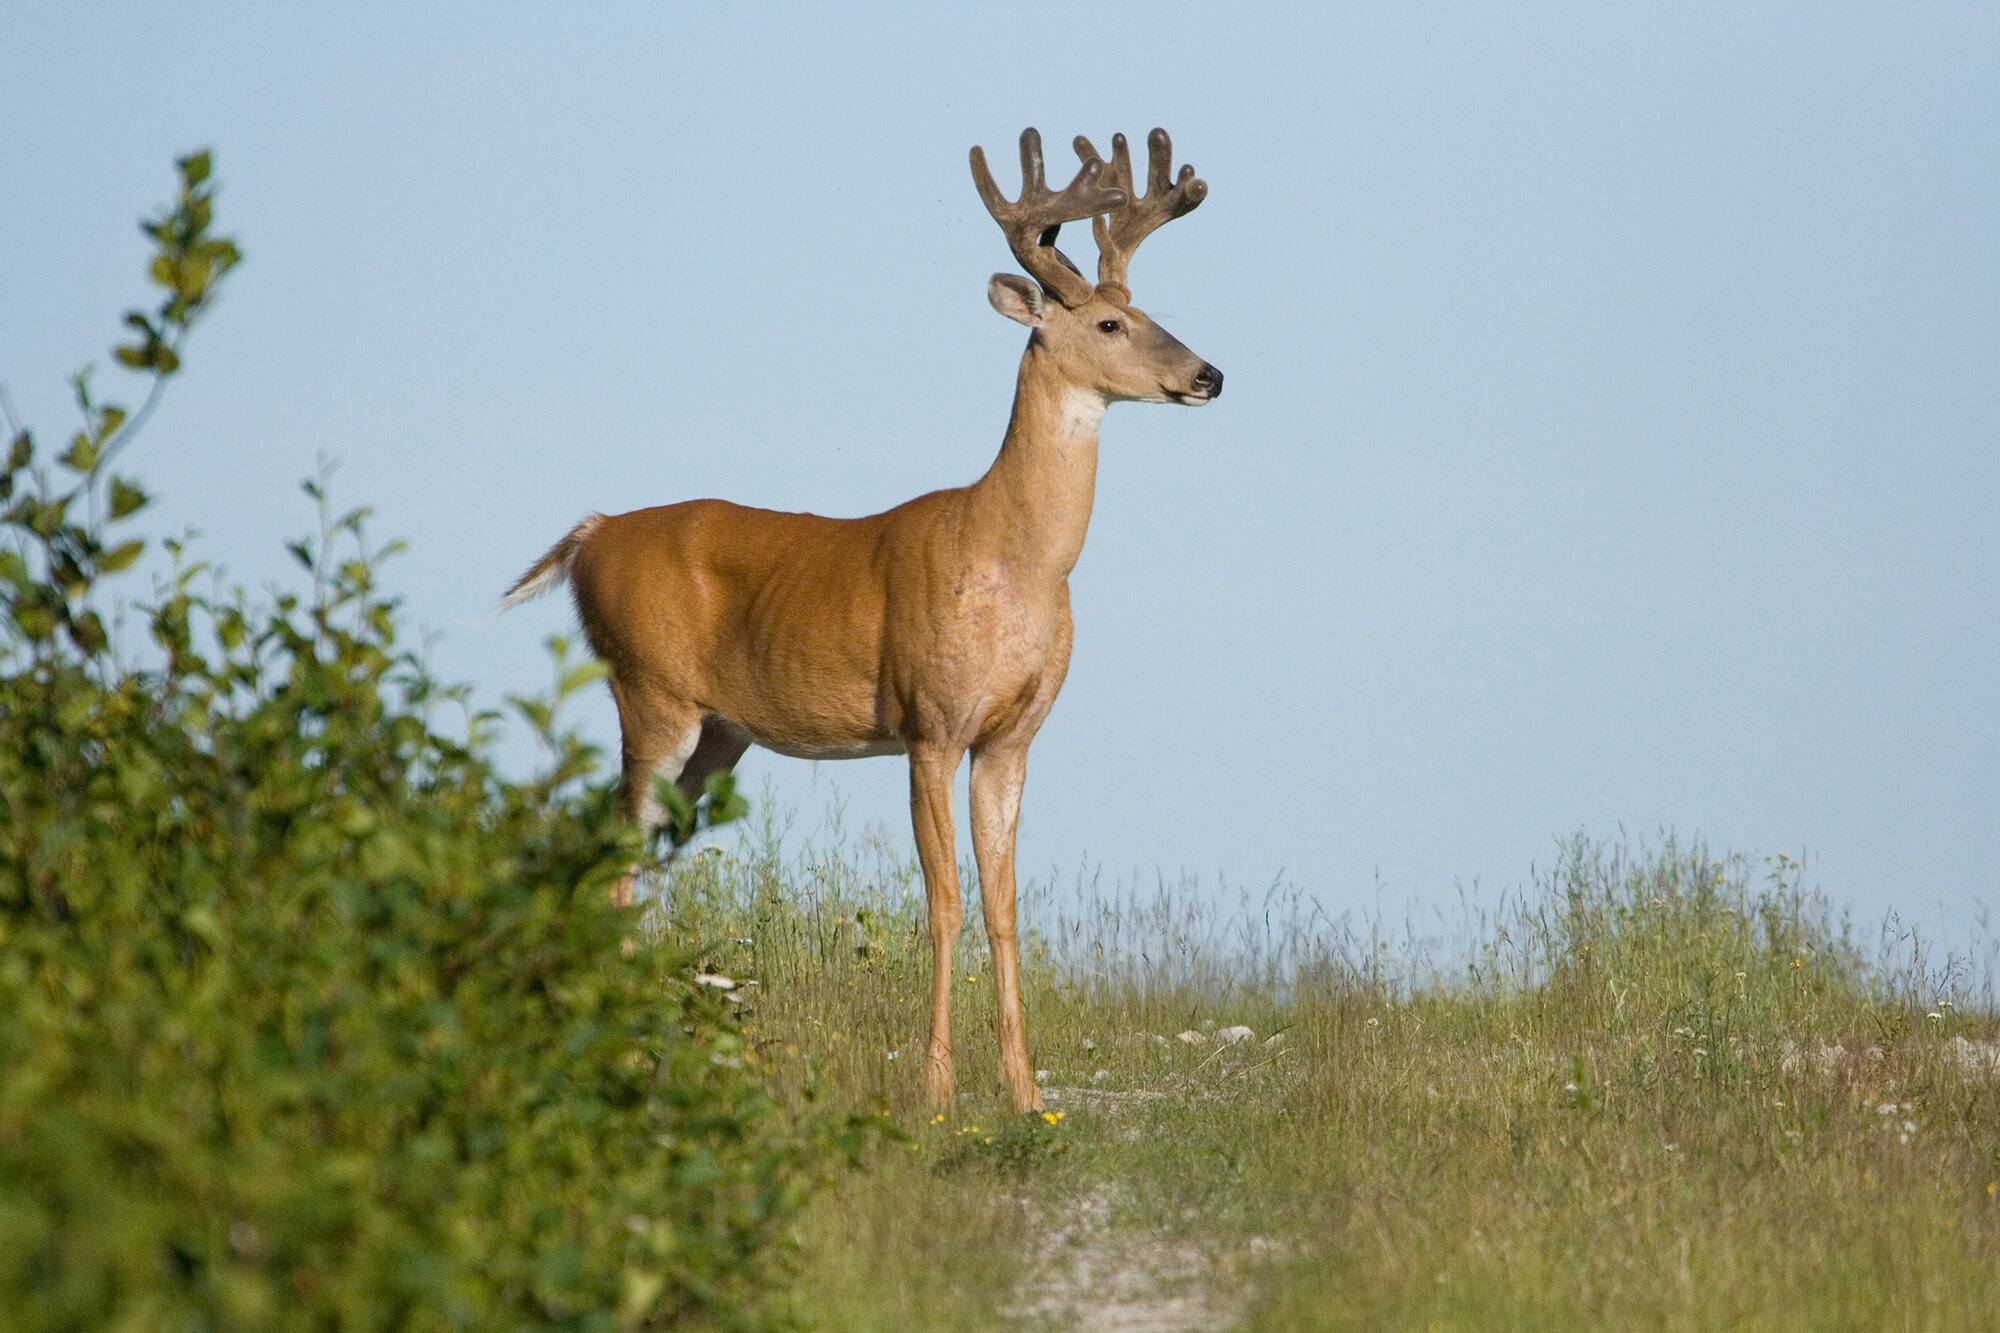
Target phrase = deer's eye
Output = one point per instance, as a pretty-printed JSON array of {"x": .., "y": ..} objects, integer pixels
[{"x": 1108, "y": 326}]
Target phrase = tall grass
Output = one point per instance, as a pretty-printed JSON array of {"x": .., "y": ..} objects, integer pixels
[{"x": 1657, "y": 1087}]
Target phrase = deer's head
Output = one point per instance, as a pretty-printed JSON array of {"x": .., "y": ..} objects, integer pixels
[{"x": 1100, "y": 341}]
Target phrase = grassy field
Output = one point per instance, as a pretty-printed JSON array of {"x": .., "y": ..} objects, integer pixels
[{"x": 1656, "y": 1090}]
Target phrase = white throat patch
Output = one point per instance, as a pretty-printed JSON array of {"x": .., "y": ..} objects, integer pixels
[{"x": 1083, "y": 412}]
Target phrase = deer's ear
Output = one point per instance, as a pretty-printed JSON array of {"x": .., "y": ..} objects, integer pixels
[{"x": 1016, "y": 297}]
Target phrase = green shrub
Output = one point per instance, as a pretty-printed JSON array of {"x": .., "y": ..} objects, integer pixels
[{"x": 309, "y": 1019}]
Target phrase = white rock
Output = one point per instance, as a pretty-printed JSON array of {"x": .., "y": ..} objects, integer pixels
[
  {"x": 1100, "y": 1075},
  {"x": 1193, "y": 1038},
  {"x": 1041, "y": 1076},
  {"x": 718, "y": 981},
  {"x": 1230, "y": 1036}
]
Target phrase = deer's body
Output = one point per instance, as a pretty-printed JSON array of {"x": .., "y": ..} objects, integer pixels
[{"x": 937, "y": 629}]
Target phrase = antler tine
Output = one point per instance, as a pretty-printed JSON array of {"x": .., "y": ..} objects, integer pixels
[
  {"x": 1166, "y": 198},
  {"x": 1031, "y": 222}
]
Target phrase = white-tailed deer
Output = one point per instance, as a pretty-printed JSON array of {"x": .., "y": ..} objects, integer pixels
[{"x": 937, "y": 628}]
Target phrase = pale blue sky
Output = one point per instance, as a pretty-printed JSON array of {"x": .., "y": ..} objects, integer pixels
[{"x": 1613, "y": 393}]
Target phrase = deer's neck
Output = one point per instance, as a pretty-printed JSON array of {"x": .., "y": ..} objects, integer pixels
[{"x": 1033, "y": 505}]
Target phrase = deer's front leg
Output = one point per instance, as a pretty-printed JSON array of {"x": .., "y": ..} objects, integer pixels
[
  {"x": 930, "y": 813},
  {"x": 998, "y": 773}
]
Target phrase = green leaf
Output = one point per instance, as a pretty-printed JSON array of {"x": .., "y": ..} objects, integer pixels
[
  {"x": 121, "y": 558},
  {"x": 138, "y": 358},
  {"x": 45, "y": 517},
  {"x": 22, "y": 453},
  {"x": 67, "y": 573},
  {"x": 678, "y": 820},
  {"x": 126, "y": 499},
  {"x": 725, "y": 805},
  {"x": 163, "y": 271},
  {"x": 165, "y": 360},
  {"x": 535, "y": 712},
  {"x": 192, "y": 278},
  {"x": 88, "y": 631},
  {"x": 195, "y": 167},
  {"x": 13, "y": 568},
  {"x": 81, "y": 456},
  {"x": 200, "y": 920},
  {"x": 579, "y": 676},
  {"x": 36, "y": 621}
]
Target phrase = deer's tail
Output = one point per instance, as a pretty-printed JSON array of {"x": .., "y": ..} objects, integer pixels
[{"x": 553, "y": 568}]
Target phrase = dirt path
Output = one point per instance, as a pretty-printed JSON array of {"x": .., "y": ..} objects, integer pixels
[{"x": 1095, "y": 1277}]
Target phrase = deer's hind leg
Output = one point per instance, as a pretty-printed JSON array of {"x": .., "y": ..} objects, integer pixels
[{"x": 661, "y": 734}]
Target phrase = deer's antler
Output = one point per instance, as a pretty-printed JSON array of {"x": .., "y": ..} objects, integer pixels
[
  {"x": 1136, "y": 218},
  {"x": 1031, "y": 222}
]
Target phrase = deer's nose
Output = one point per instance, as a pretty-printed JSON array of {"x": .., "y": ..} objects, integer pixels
[{"x": 1209, "y": 381}]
